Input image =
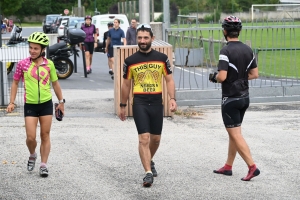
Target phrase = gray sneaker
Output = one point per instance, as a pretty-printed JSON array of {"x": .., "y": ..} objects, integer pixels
[
  {"x": 31, "y": 163},
  {"x": 148, "y": 180},
  {"x": 154, "y": 172},
  {"x": 43, "y": 171}
]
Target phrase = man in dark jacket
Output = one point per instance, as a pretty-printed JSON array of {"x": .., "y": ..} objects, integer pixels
[{"x": 131, "y": 33}]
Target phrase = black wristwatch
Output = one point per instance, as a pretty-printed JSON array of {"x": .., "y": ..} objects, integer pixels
[{"x": 123, "y": 104}]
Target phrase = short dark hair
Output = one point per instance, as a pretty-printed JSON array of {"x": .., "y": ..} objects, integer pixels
[
  {"x": 145, "y": 27},
  {"x": 118, "y": 20},
  {"x": 233, "y": 34}
]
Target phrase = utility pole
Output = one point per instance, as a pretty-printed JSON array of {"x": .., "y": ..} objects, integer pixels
[
  {"x": 152, "y": 9},
  {"x": 166, "y": 24},
  {"x": 144, "y": 11},
  {"x": 79, "y": 8},
  {"x": 197, "y": 13}
]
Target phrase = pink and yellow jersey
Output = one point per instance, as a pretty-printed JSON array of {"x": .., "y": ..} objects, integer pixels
[{"x": 36, "y": 79}]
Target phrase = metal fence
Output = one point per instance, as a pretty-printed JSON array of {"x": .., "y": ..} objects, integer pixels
[
  {"x": 196, "y": 49},
  {"x": 196, "y": 53},
  {"x": 9, "y": 56}
]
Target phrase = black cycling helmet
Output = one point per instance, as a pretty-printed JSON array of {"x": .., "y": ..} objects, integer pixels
[
  {"x": 232, "y": 23},
  {"x": 88, "y": 17},
  {"x": 110, "y": 24}
]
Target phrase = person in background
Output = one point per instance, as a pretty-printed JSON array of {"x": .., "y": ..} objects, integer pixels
[
  {"x": 109, "y": 26},
  {"x": 90, "y": 42},
  {"x": 131, "y": 33},
  {"x": 114, "y": 37},
  {"x": 3, "y": 27}
]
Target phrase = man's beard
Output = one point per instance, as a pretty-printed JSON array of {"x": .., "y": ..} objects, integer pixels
[{"x": 148, "y": 46}]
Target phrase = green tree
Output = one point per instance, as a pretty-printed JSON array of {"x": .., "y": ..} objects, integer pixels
[
  {"x": 185, "y": 11},
  {"x": 23, "y": 8},
  {"x": 10, "y": 7}
]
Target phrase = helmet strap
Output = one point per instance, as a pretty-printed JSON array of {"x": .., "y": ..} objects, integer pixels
[{"x": 42, "y": 54}]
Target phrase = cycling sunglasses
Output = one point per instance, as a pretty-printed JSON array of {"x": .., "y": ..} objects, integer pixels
[{"x": 144, "y": 26}]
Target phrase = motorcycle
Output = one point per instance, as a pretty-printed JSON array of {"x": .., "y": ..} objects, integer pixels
[{"x": 59, "y": 53}]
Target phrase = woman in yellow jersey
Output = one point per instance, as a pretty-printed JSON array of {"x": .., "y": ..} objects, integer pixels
[{"x": 37, "y": 73}]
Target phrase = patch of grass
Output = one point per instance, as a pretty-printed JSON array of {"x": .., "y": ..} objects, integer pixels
[
  {"x": 282, "y": 61},
  {"x": 32, "y": 24}
]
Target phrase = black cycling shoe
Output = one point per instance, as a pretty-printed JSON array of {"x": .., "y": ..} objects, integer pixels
[
  {"x": 31, "y": 163},
  {"x": 111, "y": 72},
  {"x": 154, "y": 172},
  {"x": 112, "y": 77},
  {"x": 44, "y": 172},
  {"x": 148, "y": 180}
]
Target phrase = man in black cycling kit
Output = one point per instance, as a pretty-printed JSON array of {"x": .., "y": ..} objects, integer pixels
[
  {"x": 236, "y": 66},
  {"x": 145, "y": 68}
]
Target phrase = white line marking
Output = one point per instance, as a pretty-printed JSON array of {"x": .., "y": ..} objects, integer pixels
[{"x": 188, "y": 71}]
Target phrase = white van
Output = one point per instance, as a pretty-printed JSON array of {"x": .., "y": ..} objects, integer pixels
[{"x": 100, "y": 21}]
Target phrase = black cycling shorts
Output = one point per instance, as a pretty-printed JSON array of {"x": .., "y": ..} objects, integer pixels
[
  {"x": 89, "y": 46},
  {"x": 233, "y": 110},
  {"x": 110, "y": 52},
  {"x": 148, "y": 118},
  {"x": 37, "y": 110}
]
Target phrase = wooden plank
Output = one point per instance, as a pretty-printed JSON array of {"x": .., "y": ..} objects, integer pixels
[
  {"x": 126, "y": 54},
  {"x": 133, "y": 50},
  {"x": 117, "y": 84}
]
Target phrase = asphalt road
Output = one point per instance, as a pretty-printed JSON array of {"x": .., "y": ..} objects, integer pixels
[{"x": 94, "y": 155}]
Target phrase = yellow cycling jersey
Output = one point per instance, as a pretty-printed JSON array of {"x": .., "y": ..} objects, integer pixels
[{"x": 146, "y": 70}]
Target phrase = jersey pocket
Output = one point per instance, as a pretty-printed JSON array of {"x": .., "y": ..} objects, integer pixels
[{"x": 239, "y": 87}]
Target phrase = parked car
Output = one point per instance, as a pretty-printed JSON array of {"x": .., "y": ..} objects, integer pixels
[
  {"x": 71, "y": 23},
  {"x": 63, "y": 23},
  {"x": 79, "y": 25},
  {"x": 55, "y": 24},
  {"x": 47, "y": 21}
]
